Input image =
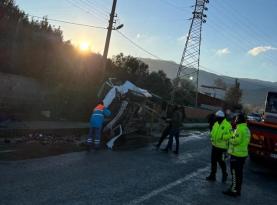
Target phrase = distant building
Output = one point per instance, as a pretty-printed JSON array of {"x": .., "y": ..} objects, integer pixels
[
  {"x": 213, "y": 91},
  {"x": 210, "y": 103}
]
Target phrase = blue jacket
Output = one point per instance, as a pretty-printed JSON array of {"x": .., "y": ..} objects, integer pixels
[{"x": 97, "y": 117}]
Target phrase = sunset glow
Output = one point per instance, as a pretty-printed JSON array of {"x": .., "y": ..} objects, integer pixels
[{"x": 84, "y": 46}]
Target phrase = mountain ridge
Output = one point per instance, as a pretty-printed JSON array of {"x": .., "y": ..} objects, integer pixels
[{"x": 254, "y": 90}]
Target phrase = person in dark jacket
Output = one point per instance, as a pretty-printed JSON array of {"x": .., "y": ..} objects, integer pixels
[
  {"x": 176, "y": 123},
  {"x": 166, "y": 118},
  {"x": 165, "y": 133},
  {"x": 211, "y": 120}
]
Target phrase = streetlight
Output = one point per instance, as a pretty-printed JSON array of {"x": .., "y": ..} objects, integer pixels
[{"x": 118, "y": 27}]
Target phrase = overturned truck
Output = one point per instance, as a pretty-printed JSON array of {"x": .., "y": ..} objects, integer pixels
[{"x": 132, "y": 110}]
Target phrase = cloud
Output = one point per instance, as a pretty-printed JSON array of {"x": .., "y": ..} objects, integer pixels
[
  {"x": 182, "y": 38},
  {"x": 223, "y": 51},
  {"x": 146, "y": 39},
  {"x": 141, "y": 36},
  {"x": 260, "y": 49}
]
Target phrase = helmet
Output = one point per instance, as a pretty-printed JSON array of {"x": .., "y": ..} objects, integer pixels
[{"x": 220, "y": 113}]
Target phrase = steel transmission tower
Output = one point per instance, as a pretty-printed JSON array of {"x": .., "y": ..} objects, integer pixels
[{"x": 189, "y": 64}]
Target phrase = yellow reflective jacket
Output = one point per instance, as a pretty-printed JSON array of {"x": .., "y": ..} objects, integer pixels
[
  {"x": 238, "y": 143},
  {"x": 220, "y": 134}
]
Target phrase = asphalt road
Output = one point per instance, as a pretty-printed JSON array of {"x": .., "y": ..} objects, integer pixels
[{"x": 142, "y": 176}]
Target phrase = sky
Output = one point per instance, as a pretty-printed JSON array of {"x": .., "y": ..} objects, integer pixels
[{"x": 238, "y": 40}]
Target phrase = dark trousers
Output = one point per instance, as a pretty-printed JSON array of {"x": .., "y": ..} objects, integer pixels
[
  {"x": 237, "y": 172},
  {"x": 94, "y": 136},
  {"x": 218, "y": 156},
  {"x": 165, "y": 133},
  {"x": 174, "y": 132}
]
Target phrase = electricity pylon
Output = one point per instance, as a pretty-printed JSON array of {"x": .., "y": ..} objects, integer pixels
[{"x": 189, "y": 64}]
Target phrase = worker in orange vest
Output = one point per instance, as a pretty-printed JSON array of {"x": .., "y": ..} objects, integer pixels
[{"x": 96, "y": 123}]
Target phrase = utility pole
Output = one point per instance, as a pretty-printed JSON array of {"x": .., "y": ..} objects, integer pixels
[
  {"x": 191, "y": 55},
  {"x": 108, "y": 38}
]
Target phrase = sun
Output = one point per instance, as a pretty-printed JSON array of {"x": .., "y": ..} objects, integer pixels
[{"x": 84, "y": 46}]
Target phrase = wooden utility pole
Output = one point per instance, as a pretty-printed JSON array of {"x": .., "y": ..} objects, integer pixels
[{"x": 108, "y": 38}]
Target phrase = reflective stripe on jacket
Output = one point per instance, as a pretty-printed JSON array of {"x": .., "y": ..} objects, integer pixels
[
  {"x": 220, "y": 134},
  {"x": 238, "y": 143}
]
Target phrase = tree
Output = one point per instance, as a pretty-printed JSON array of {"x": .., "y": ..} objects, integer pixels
[
  {"x": 136, "y": 71},
  {"x": 185, "y": 92},
  {"x": 36, "y": 49},
  {"x": 129, "y": 68},
  {"x": 159, "y": 84},
  {"x": 233, "y": 96}
]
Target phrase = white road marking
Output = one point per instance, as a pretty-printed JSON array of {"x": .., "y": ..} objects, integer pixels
[{"x": 168, "y": 186}]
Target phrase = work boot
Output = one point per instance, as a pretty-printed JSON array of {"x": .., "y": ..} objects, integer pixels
[
  {"x": 224, "y": 177},
  {"x": 231, "y": 193},
  {"x": 211, "y": 177}
]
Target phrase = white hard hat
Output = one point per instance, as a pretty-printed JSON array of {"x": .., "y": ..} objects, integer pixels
[{"x": 220, "y": 114}]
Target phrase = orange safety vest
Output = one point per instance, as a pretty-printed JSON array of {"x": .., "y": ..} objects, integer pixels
[{"x": 99, "y": 107}]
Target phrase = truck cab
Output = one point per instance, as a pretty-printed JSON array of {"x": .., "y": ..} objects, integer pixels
[
  {"x": 263, "y": 141},
  {"x": 270, "y": 114}
]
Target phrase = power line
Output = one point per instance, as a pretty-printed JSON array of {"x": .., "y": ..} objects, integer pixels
[
  {"x": 94, "y": 4},
  {"x": 105, "y": 7},
  {"x": 230, "y": 36},
  {"x": 95, "y": 9},
  {"x": 235, "y": 37},
  {"x": 68, "y": 22},
  {"x": 138, "y": 46},
  {"x": 248, "y": 23},
  {"x": 204, "y": 68},
  {"x": 85, "y": 10},
  {"x": 174, "y": 5},
  {"x": 99, "y": 27},
  {"x": 213, "y": 71},
  {"x": 243, "y": 27},
  {"x": 131, "y": 41}
]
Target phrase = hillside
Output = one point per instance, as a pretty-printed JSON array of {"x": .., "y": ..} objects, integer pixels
[{"x": 254, "y": 91}]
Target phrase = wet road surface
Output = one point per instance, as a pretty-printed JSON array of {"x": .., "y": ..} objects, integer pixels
[{"x": 141, "y": 176}]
